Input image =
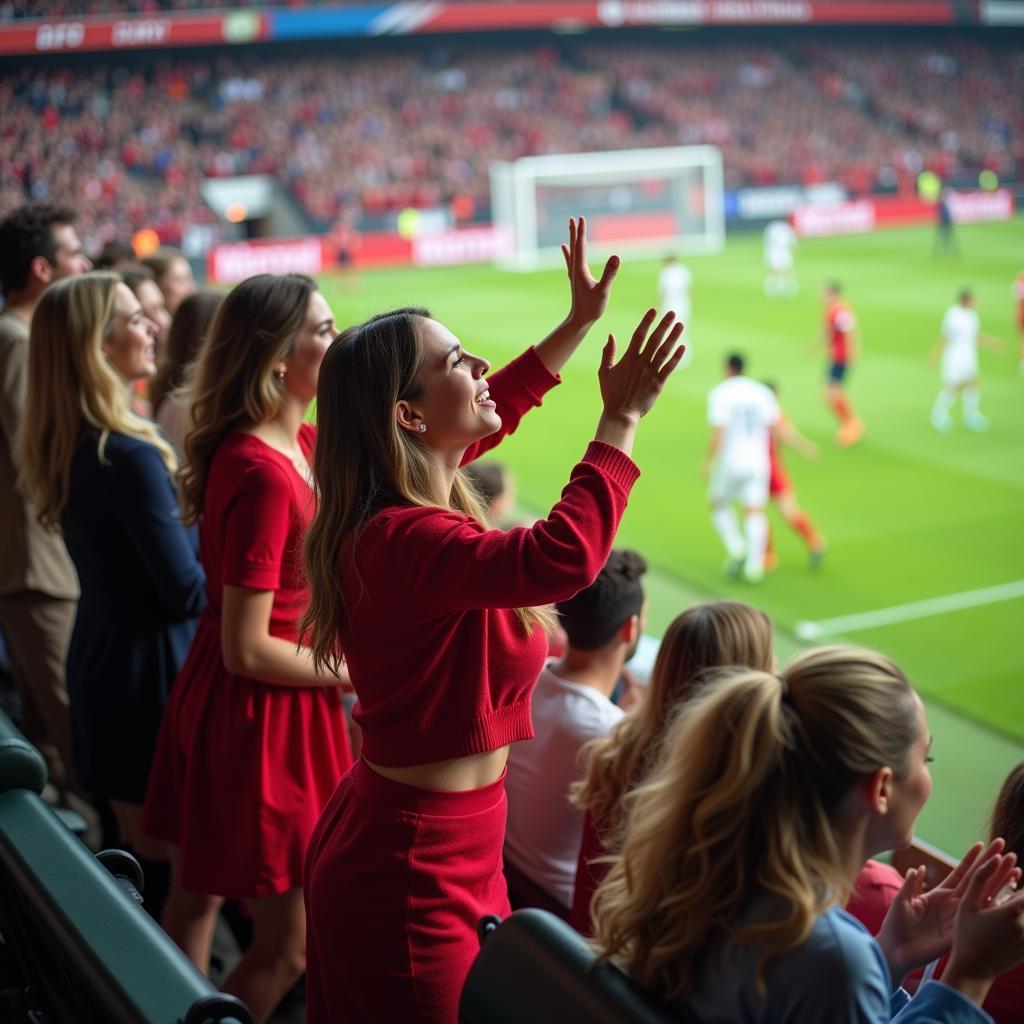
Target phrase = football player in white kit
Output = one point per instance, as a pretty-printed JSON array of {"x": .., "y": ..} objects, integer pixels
[
  {"x": 779, "y": 242},
  {"x": 674, "y": 283},
  {"x": 741, "y": 413},
  {"x": 960, "y": 336}
]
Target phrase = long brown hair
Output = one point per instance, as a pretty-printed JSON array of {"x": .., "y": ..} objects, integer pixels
[
  {"x": 1008, "y": 813},
  {"x": 71, "y": 385},
  {"x": 364, "y": 462},
  {"x": 184, "y": 340},
  {"x": 741, "y": 803},
  {"x": 231, "y": 384},
  {"x": 704, "y": 637}
]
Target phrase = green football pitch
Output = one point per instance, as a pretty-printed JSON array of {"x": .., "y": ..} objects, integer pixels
[{"x": 926, "y": 546}]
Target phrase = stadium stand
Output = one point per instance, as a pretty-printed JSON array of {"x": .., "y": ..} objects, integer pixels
[{"x": 129, "y": 144}]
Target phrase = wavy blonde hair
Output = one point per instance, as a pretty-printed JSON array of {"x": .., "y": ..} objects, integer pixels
[
  {"x": 72, "y": 386},
  {"x": 365, "y": 462},
  {"x": 703, "y": 637},
  {"x": 741, "y": 802},
  {"x": 231, "y": 383}
]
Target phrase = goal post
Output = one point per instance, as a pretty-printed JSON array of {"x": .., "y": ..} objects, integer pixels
[{"x": 668, "y": 199}]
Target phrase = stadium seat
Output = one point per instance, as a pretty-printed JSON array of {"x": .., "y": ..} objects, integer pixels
[
  {"x": 75, "y": 943},
  {"x": 533, "y": 967},
  {"x": 937, "y": 863}
]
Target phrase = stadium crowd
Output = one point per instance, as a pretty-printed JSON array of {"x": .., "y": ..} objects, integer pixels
[
  {"x": 706, "y": 828},
  {"x": 130, "y": 146}
]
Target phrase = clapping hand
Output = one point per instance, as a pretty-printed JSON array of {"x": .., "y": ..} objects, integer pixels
[{"x": 919, "y": 925}]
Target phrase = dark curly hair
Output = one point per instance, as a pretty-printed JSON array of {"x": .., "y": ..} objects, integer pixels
[
  {"x": 597, "y": 613},
  {"x": 25, "y": 234}
]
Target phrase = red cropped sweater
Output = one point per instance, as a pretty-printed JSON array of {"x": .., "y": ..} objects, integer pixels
[{"x": 441, "y": 665}]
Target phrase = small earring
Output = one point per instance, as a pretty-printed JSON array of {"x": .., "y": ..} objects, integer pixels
[
  {"x": 279, "y": 374},
  {"x": 422, "y": 427}
]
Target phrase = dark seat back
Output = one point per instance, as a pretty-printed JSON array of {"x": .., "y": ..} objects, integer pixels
[
  {"x": 74, "y": 945},
  {"x": 534, "y": 969}
]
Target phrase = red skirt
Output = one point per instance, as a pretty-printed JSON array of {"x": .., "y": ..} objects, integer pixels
[
  {"x": 396, "y": 880},
  {"x": 241, "y": 772}
]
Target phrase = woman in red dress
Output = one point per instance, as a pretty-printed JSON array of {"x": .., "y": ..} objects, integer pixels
[
  {"x": 254, "y": 738},
  {"x": 437, "y": 614}
]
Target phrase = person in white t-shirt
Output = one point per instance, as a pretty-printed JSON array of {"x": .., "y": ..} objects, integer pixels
[
  {"x": 959, "y": 338},
  {"x": 571, "y": 706},
  {"x": 674, "y": 283},
  {"x": 779, "y": 242},
  {"x": 742, "y": 413}
]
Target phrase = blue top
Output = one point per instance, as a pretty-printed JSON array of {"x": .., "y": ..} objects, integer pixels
[
  {"x": 837, "y": 976},
  {"x": 142, "y": 588}
]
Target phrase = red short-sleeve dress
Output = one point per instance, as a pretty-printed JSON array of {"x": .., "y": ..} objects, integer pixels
[{"x": 243, "y": 768}]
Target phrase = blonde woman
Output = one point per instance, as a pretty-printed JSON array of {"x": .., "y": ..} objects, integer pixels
[
  {"x": 770, "y": 793},
  {"x": 103, "y": 476},
  {"x": 704, "y": 637},
  {"x": 254, "y": 739}
]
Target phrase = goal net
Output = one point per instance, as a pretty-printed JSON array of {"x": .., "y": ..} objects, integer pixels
[{"x": 659, "y": 200}]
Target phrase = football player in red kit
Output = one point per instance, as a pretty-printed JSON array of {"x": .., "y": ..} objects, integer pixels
[{"x": 840, "y": 338}]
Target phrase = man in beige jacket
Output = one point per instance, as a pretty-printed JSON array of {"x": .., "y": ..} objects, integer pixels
[{"x": 38, "y": 585}]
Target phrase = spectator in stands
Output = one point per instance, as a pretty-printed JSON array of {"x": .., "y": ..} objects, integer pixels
[
  {"x": 704, "y": 637},
  {"x": 102, "y": 475},
  {"x": 142, "y": 282},
  {"x": 188, "y": 331},
  {"x": 1005, "y": 999},
  {"x": 437, "y": 617},
  {"x": 254, "y": 739},
  {"x": 571, "y": 706},
  {"x": 116, "y": 255},
  {"x": 173, "y": 274},
  {"x": 496, "y": 486},
  {"x": 38, "y": 588},
  {"x": 769, "y": 794},
  {"x": 876, "y": 887}
]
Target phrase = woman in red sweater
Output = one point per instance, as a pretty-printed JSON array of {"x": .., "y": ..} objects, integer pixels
[
  {"x": 254, "y": 739},
  {"x": 438, "y": 616}
]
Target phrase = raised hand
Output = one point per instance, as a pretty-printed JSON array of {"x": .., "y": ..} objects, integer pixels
[
  {"x": 630, "y": 387},
  {"x": 589, "y": 297}
]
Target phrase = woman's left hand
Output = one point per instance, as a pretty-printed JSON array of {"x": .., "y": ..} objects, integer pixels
[
  {"x": 589, "y": 297},
  {"x": 919, "y": 925}
]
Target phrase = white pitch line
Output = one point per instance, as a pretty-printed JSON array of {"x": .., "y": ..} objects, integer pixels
[{"x": 913, "y": 610}]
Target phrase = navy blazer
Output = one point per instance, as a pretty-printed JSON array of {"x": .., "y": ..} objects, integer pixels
[{"x": 142, "y": 588}]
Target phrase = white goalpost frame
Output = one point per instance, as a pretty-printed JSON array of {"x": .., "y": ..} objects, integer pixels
[{"x": 514, "y": 196}]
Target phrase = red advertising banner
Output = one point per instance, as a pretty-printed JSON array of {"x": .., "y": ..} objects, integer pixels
[
  {"x": 859, "y": 216},
  {"x": 71, "y": 35},
  {"x": 56, "y": 35},
  {"x": 772, "y": 12},
  {"x": 235, "y": 261}
]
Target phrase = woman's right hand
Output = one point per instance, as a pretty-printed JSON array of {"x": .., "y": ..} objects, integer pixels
[
  {"x": 988, "y": 936},
  {"x": 630, "y": 387}
]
